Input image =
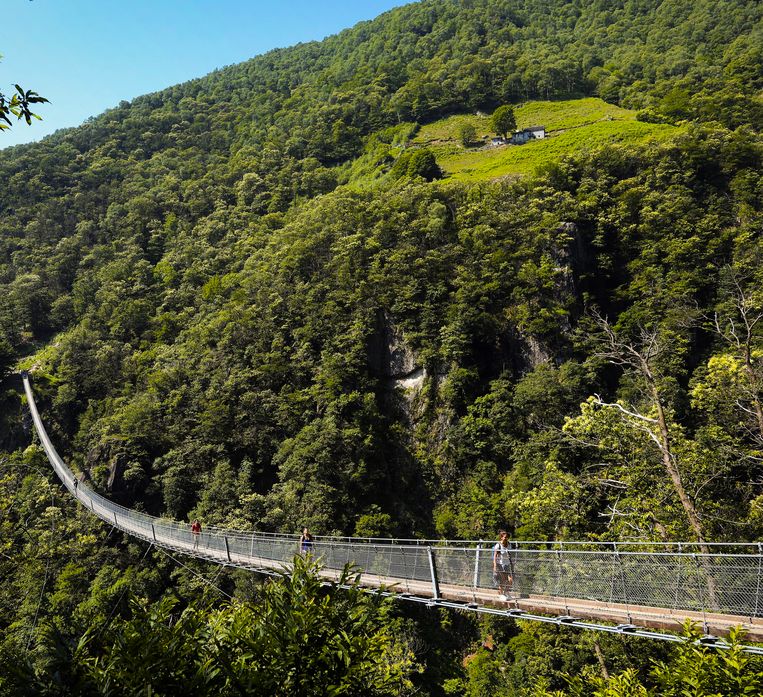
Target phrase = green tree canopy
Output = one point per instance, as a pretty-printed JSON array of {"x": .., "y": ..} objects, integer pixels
[
  {"x": 417, "y": 163},
  {"x": 467, "y": 134},
  {"x": 301, "y": 639},
  {"x": 503, "y": 121}
]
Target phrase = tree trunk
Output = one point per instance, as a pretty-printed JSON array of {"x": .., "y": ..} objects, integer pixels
[
  {"x": 675, "y": 476},
  {"x": 686, "y": 502},
  {"x": 600, "y": 657}
]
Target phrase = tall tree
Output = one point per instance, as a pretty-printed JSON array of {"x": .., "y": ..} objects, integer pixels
[
  {"x": 503, "y": 120},
  {"x": 642, "y": 359}
]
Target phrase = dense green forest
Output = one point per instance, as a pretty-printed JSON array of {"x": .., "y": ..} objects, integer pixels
[{"x": 253, "y": 299}]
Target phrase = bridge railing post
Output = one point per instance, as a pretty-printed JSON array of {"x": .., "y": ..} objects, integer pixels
[
  {"x": 679, "y": 567},
  {"x": 227, "y": 547},
  {"x": 477, "y": 564},
  {"x": 433, "y": 572}
]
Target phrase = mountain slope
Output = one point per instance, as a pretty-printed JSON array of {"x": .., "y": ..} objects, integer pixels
[{"x": 224, "y": 324}]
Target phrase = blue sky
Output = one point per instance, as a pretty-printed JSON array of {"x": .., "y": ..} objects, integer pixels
[{"x": 88, "y": 55}]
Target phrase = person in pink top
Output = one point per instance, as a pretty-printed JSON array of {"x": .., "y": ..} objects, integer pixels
[{"x": 196, "y": 530}]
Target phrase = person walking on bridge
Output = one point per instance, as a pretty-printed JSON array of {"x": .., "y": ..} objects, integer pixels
[
  {"x": 196, "y": 530},
  {"x": 306, "y": 542},
  {"x": 503, "y": 565}
]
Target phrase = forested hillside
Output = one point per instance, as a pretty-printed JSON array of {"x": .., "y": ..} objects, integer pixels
[{"x": 237, "y": 308}]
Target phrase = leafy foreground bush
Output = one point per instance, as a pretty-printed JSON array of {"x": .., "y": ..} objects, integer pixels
[
  {"x": 694, "y": 671},
  {"x": 302, "y": 638}
]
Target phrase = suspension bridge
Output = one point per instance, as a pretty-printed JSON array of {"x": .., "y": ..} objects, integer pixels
[{"x": 642, "y": 589}]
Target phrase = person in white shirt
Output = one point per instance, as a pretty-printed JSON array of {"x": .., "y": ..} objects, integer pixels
[{"x": 503, "y": 565}]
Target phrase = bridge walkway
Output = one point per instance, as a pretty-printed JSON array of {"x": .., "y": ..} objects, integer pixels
[{"x": 640, "y": 588}]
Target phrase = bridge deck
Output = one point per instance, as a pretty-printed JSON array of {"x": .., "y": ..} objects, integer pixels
[
  {"x": 713, "y": 623},
  {"x": 659, "y": 590}
]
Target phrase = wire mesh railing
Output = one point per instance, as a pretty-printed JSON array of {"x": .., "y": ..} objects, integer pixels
[{"x": 673, "y": 577}]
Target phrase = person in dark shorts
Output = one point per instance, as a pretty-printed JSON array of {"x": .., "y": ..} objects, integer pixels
[
  {"x": 503, "y": 565},
  {"x": 306, "y": 542}
]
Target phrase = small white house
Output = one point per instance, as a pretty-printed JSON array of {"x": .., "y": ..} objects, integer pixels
[
  {"x": 527, "y": 134},
  {"x": 537, "y": 132}
]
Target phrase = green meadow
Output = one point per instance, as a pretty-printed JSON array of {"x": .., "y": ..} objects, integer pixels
[{"x": 571, "y": 126}]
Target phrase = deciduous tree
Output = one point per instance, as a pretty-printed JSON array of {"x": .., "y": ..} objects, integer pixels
[{"x": 503, "y": 121}]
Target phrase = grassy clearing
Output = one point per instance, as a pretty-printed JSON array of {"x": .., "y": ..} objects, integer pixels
[
  {"x": 446, "y": 130},
  {"x": 554, "y": 116},
  {"x": 474, "y": 165},
  {"x": 572, "y": 126}
]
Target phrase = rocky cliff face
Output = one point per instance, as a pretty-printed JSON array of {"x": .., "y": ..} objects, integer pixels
[
  {"x": 123, "y": 474},
  {"x": 392, "y": 358}
]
